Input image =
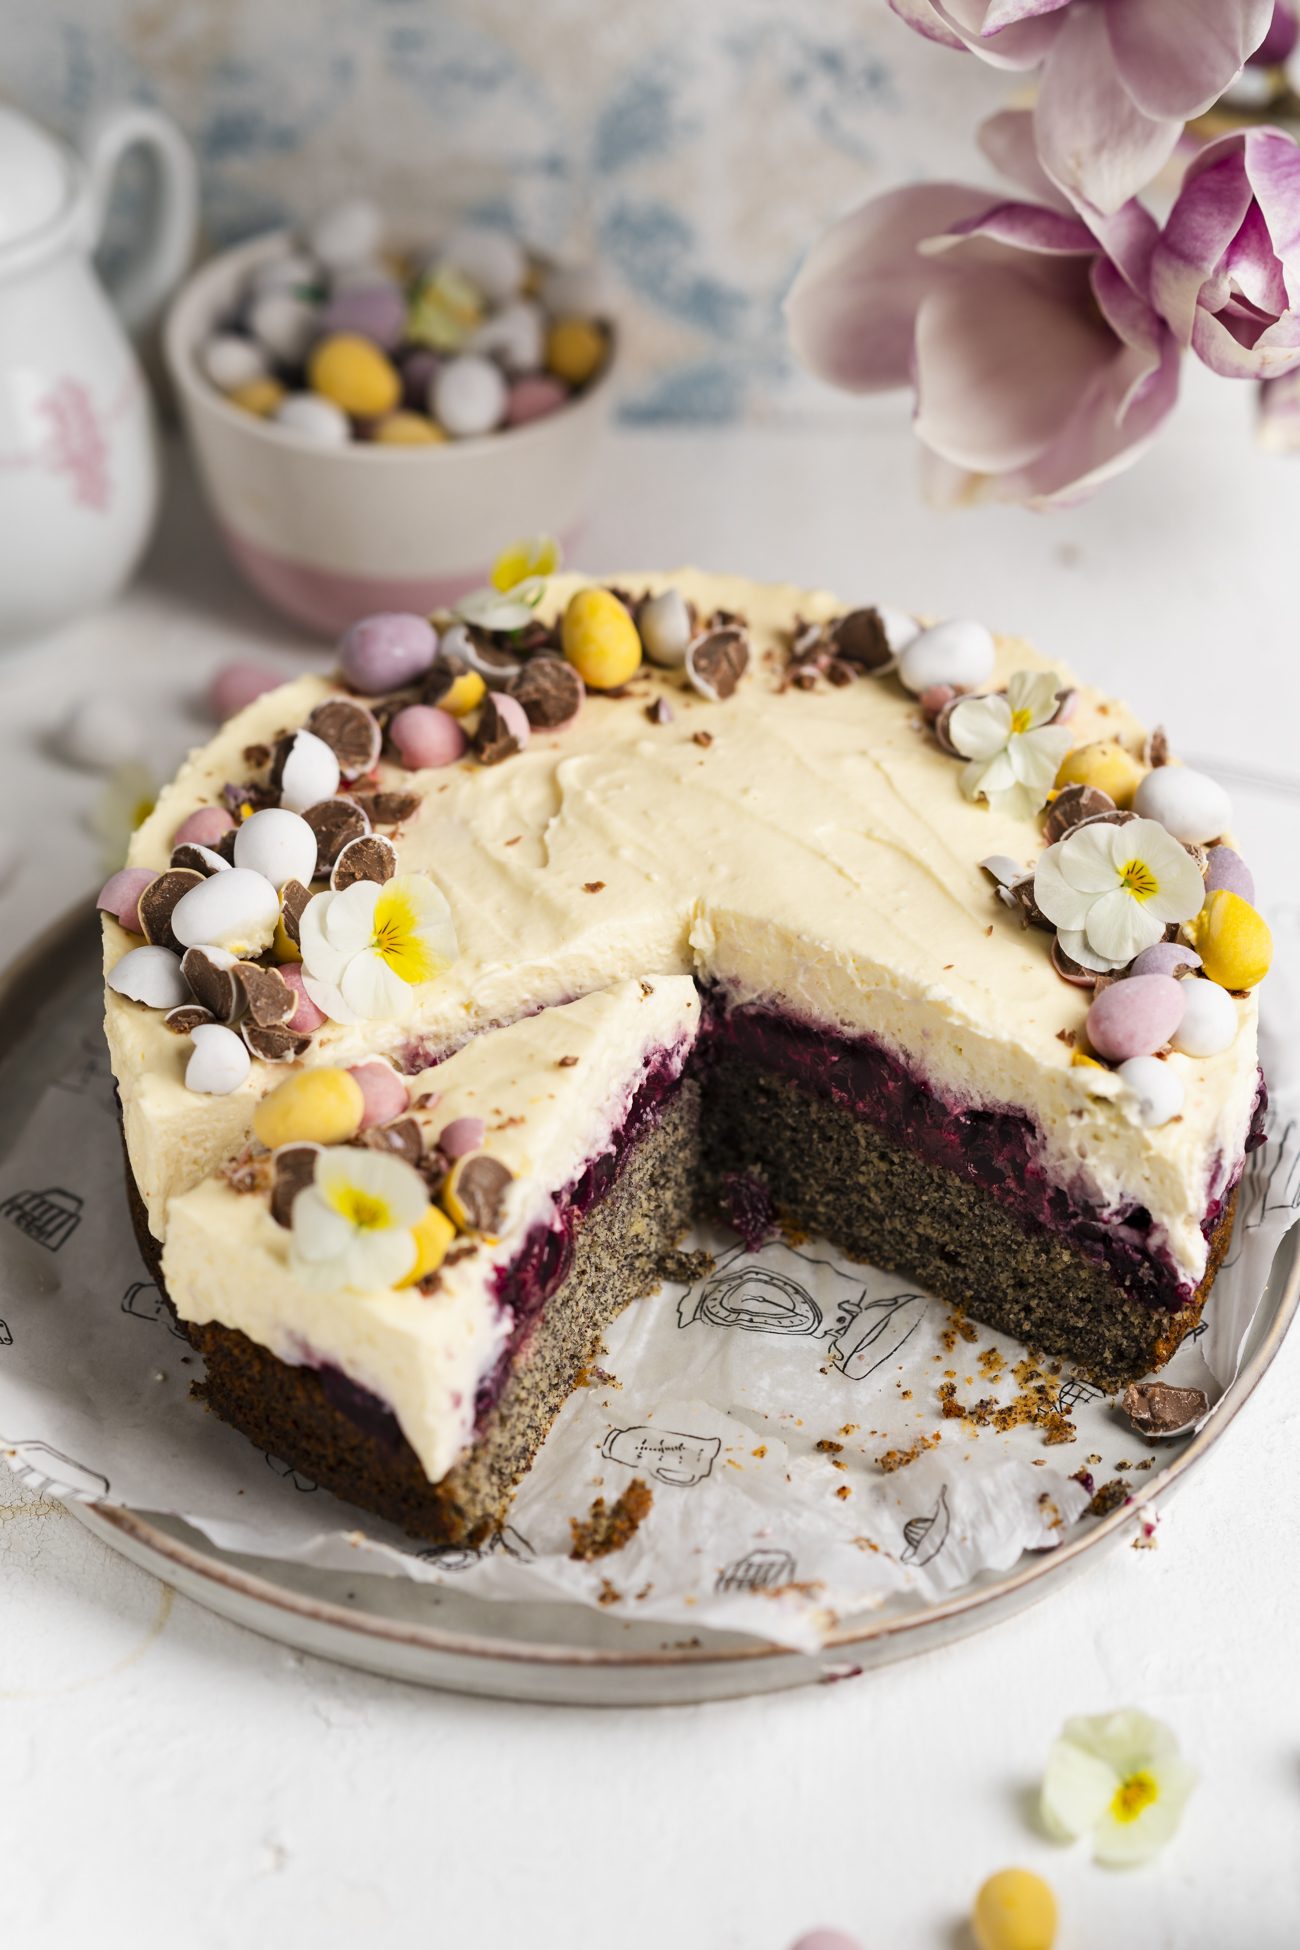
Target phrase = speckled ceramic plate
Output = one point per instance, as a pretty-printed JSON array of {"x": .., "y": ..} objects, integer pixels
[{"x": 565, "y": 1653}]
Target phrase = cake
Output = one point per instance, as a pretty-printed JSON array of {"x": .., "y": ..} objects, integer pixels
[{"x": 461, "y": 993}]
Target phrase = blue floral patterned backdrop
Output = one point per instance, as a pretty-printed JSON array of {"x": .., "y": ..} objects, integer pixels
[{"x": 696, "y": 145}]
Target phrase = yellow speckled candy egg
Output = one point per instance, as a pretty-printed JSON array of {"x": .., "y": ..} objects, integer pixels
[
  {"x": 319, "y": 1106},
  {"x": 575, "y": 350},
  {"x": 464, "y": 694},
  {"x": 1014, "y": 1910},
  {"x": 1233, "y": 940},
  {"x": 258, "y": 396},
  {"x": 354, "y": 374},
  {"x": 600, "y": 640},
  {"x": 409, "y": 430},
  {"x": 1105, "y": 765},
  {"x": 432, "y": 1236}
]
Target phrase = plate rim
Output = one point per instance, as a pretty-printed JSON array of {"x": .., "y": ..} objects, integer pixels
[{"x": 865, "y": 1629}]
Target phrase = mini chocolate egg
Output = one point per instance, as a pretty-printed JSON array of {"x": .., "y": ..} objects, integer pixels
[
  {"x": 260, "y": 397},
  {"x": 306, "y": 1017},
  {"x": 1014, "y": 1910},
  {"x": 433, "y": 1234},
  {"x": 230, "y": 361},
  {"x": 1227, "y": 869},
  {"x": 237, "y": 684},
  {"x": 425, "y": 736},
  {"x": 1234, "y": 940},
  {"x": 1209, "y": 1024},
  {"x": 383, "y": 1091},
  {"x": 284, "y": 325},
  {"x": 575, "y": 350},
  {"x": 321, "y": 1105},
  {"x": 515, "y": 336},
  {"x": 385, "y": 651},
  {"x": 490, "y": 259},
  {"x": 959, "y": 653},
  {"x": 1135, "y": 1017},
  {"x": 287, "y": 271},
  {"x": 1157, "y": 1087},
  {"x": 309, "y": 772},
  {"x": 120, "y": 896},
  {"x": 151, "y": 976},
  {"x": 236, "y": 911},
  {"x": 417, "y": 368},
  {"x": 205, "y": 826},
  {"x": 576, "y": 290},
  {"x": 199, "y": 859},
  {"x": 1189, "y": 804},
  {"x": 900, "y": 628},
  {"x": 314, "y": 418},
  {"x": 1165, "y": 958},
  {"x": 600, "y": 639},
  {"x": 826, "y": 1940},
  {"x": 461, "y": 1136},
  {"x": 360, "y": 379},
  {"x": 503, "y": 728},
  {"x": 350, "y": 232},
  {"x": 406, "y": 429},
  {"x": 468, "y": 396},
  {"x": 220, "y": 1061},
  {"x": 278, "y": 844},
  {"x": 100, "y": 733},
  {"x": 1104, "y": 765},
  {"x": 665, "y": 626},
  {"x": 533, "y": 397},
  {"x": 375, "y": 310}
]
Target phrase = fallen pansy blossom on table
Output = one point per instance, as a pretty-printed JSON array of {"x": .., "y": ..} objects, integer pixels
[{"x": 1119, "y": 1778}]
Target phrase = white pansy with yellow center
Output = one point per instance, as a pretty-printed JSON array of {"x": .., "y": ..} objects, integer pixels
[
  {"x": 1120, "y": 1778},
  {"x": 367, "y": 949},
  {"x": 352, "y": 1226},
  {"x": 1111, "y": 890},
  {"x": 518, "y": 585},
  {"x": 1014, "y": 749}
]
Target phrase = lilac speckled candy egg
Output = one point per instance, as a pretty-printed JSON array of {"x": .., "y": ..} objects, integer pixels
[
  {"x": 372, "y": 311},
  {"x": 461, "y": 1136},
  {"x": 425, "y": 737},
  {"x": 306, "y": 1017},
  {"x": 1136, "y": 1017},
  {"x": 120, "y": 896},
  {"x": 1165, "y": 958},
  {"x": 237, "y": 684},
  {"x": 383, "y": 652},
  {"x": 1228, "y": 869},
  {"x": 384, "y": 1092},
  {"x": 533, "y": 397}
]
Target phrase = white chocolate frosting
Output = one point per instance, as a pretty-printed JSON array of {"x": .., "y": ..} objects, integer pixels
[{"x": 808, "y": 847}]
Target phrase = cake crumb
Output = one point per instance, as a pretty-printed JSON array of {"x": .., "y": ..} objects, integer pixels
[
  {"x": 1108, "y": 1498},
  {"x": 844, "y": 1492},
  {"x": 850, "y": 1428},
  {"x": 899, "y": 1458},
  {"x": 593, "y": 886},
  {"x": 608, "y": 1527},
  {"x": 567, "y": 1062},
  {"x": 609, "y": 1594},
  {"x": 828, "y": 1448}
]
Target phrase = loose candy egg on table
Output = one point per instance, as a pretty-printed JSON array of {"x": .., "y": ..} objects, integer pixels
[
  {"x": 1136, "y": 1017},
  {"x": 1157, "y": 1086},
  {"x": 220, "y": 1061},
  {"x": 360, "y": 379},
  {"x": 1014, "y": 1910},
  {"x": 960, "y": 653},
  {"x": 309, "y": 773},
  {"x": 600, "y": 640},
  {"x": 1209, "y": 1024},
  {"x": 237, "y": 910},
  {"x": 314, "y": 418},
  {"x": 278, "y": 844},
  {"x": 1189, "y": 804},
  {"x": 468, "y": 396},
  {"x": 426, "y": 736},
  {"x": 386, "y": 651},
  {"x": 315, "y": 1106},
  {"x": 150, "y": 975},
  {"x": 231, "y": 361}
]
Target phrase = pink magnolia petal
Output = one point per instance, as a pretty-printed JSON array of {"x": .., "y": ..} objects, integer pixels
[
  {"x": 1176, "y": 57},
  {"x": 1107, "y": 434},
  {"x": 1207, "y": 216},
  {"x": 852, "y": 308},
  {"x": 1023, "y": 226},
  {"x": 1007, "y": 139},
  {"x": 1274, "y": 353},
  {"x": 1273, "y": 168},
  {"x": 1094, "y": 140},
  {"x": 1005, "y": 13},
  {"x": 1005, "y": 33},
  {"x": 923, "y": 19}
]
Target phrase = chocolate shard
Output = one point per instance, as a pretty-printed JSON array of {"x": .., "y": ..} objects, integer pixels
[
  {"x": 1072, "y": 971},
  {"x": 369, "y": 858},
  {"x": 352, "y": 733},
  {"x": 1155, "y": 751},
  {"x": 225, "y": 846},
  {"x": 186, "y": 1018},
  {"x": 402, "y": 1138},
  {"x": 158, "y": 903},
  {"x": 550, "y": 691},
  {"x": 294, "y": 1167},
  {"x": 481, "y": 1183},
  {"x": 293, "y": 899},
  {"x": 276, "y": 1044},
  {"x": 1072, "y": 805},
  {"x": 267, "y": 996},
  {"x": 716, "y": 662},
  {"x": 442, "y": 674},
  {"x": 942, "y": 731},
  {"x": 860, "y": 639},
  {"x": 387, "y": 808},
  {"x": 256, "y": 756},
  {"x": 495, "y": 664},
  {"x": 196, "y": 859},
  {"x": 212, "y": 984},
  {"x": 1155, "y": 1408},
  {"x": 495, "y": 739},
  {"x": 335, "y": 822},
  {"x": 660, "y": 712}
]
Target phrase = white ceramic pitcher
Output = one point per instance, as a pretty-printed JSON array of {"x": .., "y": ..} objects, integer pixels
[{"x": 78, "y": 468}]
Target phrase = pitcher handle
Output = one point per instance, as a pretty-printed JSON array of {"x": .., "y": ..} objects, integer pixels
[{"x": 140, "y": 289}]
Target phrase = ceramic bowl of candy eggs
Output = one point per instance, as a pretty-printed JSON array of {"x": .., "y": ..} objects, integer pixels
[{"x": 369, "y": 422}]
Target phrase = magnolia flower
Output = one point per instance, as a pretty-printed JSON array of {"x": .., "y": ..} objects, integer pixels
[
  {"x": 1226, "y": 271},
  {"x": 1120, "y": 1778},
  {"x": 352, "y": 1226},
  {"x": 1111, "y": 889},
  {"x": 1015, "y": 750},
  {"x": 518, "y": 585},
  {"x": 365, "y": 949},
  {"x": 1119, "y": 77},
  {"x": 1040, "y": 367}
]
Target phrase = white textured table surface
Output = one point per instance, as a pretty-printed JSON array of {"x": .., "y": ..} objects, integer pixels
[{"x": 173, "y": 1780}]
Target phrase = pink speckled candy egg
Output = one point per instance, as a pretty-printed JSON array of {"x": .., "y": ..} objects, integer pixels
[
  {"x": 383, "y": 652},
  {"x": 425, "y": 737},
  {"x": 203, "y": 827},
  {"x": 120, "y": 896},
  {"x": 306, "y": 1018},
  {"x": 384, "y": 1092},
  {"x": 461, "y": 1136},
  {"x": 1227, "y": 869},
  {"x": 1165, "y": 958},
  {"x": 236, "y": 685},
  {"x": 827, "y": 1940},
  {"x": 1136, "y": 1017},
  {"x": 533, "y": 397}
]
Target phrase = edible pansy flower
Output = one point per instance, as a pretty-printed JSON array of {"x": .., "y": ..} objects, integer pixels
[
  {"x": 367, "y": 948},
  {"x": 518, "y": 585},
  {"x": 1119, "y": 1778},
  {"x": 1013, "y": 748},
  {"x": 353, "y": 1225},
  {"x": 1111, "y": 890}
]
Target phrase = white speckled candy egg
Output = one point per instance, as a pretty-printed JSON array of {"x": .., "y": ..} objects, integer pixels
[
  {"x": 310, "y": 773},
  {"x": 490, "y": 259},
  {"x": 236, "y": 910},
  {"x": 959, "y": 653},
  {"x": 230, "y": 361},
  {"x": 315, "y": 418},
  {"x": 1157, "y": 1086},
  {"x": 1209, "y": 1024},
  {"x": 664, "y": 622},
  {"x": 284, "y": 325},
  {"x": 278, "y": 844},
  {"x": 516, "y": 335},
  {"x": 1189, "y": 804},
  {"x": 220, "y": 1061},
  {"x": 468, "y": 396},
  {"x": 151, "y": 975},
  {"x": 349, "y": 233},
  {"x": 900, "y": 628},
  {"x": 288, "y": 271}
]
